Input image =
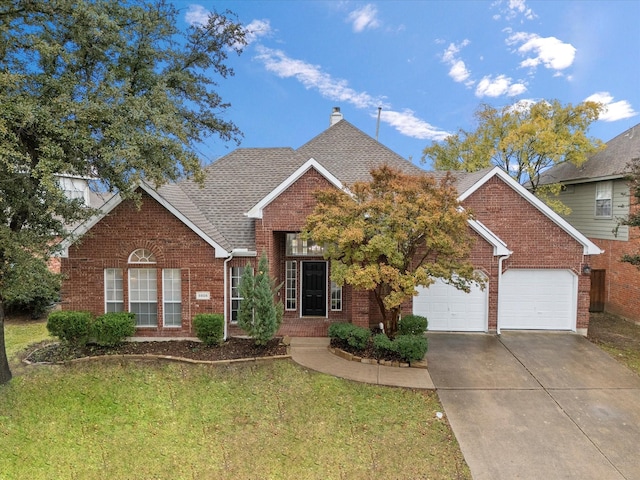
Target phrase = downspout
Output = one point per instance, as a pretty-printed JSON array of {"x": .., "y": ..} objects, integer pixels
[
  {"x": 500, "y": 260},
  {"x": 225, "y": 295}
]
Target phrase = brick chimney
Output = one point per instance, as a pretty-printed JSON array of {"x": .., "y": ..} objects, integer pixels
[{"x": 336, "y": 116}]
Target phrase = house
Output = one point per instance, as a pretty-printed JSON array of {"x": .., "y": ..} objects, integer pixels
[
  {"x": 182, "y": 252},
  {"x": 598, "y": 196}
]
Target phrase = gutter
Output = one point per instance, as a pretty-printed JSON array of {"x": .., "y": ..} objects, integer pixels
[{"x": 236, "y": 252}]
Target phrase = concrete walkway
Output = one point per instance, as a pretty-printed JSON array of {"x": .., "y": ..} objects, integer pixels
[
  {"x": 524, "y": 405},
  {"x": 313, "y": 353},
  {"x": 531, "y": 405}
]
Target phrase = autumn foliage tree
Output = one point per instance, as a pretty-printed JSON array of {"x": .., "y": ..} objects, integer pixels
[
  {"x": 523, "y": 140},
  {"x": 392, "y": 234}
]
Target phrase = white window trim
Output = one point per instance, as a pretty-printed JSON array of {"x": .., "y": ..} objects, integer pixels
[
  {"x": 294, "y": 288},
  {"x": 231, "y": 297},
  {"x": 608, "y": 185},
  {"x": 165, "y": 301},
  {"x": 156, "y": 296},
  {"x": 335, "y": 288},
  {"x": 107, "y": 289}
]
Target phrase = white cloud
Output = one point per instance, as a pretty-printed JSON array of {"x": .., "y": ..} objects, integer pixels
[
  {"x": 458, "y": 71},
  {"x": 498, "y": 86},
  {"x": 513, "y": 9},
  {"x": 614, "y": 110},
  {"x": 363, "y": 18},
  {"x": 408, "y": 124},
  {"x": 312, "y": 77},
  {"x": 548, "y": 51},
  {"x": 196, "y": 15},
  {"x": 256, "y": 30}
]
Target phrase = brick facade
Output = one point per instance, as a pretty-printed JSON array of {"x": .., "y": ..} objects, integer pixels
[
  {"x": 109, "y": 244},
  {"x": 535, "y": 240}
]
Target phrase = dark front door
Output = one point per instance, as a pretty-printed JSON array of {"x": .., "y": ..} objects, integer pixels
[
  {"x": 314, "y": 289},
  {"x": 597, "y": 291}
]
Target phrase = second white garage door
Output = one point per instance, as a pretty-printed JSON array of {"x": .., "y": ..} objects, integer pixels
[
  {"x": 538, "y": 300},
  {"x": 450, "y": 309}
]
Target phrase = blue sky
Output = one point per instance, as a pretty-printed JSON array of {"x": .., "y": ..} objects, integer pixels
[{"x": 428, "y": 64}]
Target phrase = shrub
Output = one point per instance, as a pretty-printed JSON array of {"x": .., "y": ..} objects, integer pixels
[
  {"x": 412, "y": 325},
  {"x": 382, "y": 344},
  {"x": 209, "y": 328},
  {"x": 353, "y": 335},
  {"x": 112, "y": 328},
  {"x": 71, "y": 327},
  {"x": 410, "y": 347}
]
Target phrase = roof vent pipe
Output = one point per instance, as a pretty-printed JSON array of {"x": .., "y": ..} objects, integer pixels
[{"x": 336, "y": 116}]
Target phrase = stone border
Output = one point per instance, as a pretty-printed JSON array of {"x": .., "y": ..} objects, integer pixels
[
  {"x": 148, "y": 356},
  {"x": 372, "y": 361}
]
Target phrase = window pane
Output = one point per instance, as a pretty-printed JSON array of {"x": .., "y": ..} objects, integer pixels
[
  {"x": 336, "y": 296},
  {"x": 113, "y": 291},
  {"x": 290, "y": 280},
  {"x": 172, "y": 297},
  {"x": 296, "y": 246},
  {"x": 143, "y": 296},
  {"x": 236, "y": 275}
]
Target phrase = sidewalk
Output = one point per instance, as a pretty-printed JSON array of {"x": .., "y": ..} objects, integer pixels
[{"x": 313, "y": 353}]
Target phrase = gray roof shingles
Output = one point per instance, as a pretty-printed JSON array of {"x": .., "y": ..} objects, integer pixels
[
  {"x": 238, "y": 181},
  {"x": 608, "y": 163}
]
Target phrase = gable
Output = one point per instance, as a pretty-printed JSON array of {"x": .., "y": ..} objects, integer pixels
[
  {"x": 515, "y": 205},
  {"x": 257, "y": 210}
]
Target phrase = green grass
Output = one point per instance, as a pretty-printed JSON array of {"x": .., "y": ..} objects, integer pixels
[
  {"x": 619, "y": 337},
  {"x": 129, "y": 420},
  {"x": 20, "y": 335}
]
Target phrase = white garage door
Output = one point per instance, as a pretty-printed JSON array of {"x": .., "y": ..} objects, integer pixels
[
  {"x": 538, "y": 300},
  {"x": 450, "y": 309}
]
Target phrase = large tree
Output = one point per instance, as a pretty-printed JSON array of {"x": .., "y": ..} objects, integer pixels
[
  {"x": 106, "y": 89},
  {"x": 523, "y": 139},
  {"x": 392, "y": 234}
]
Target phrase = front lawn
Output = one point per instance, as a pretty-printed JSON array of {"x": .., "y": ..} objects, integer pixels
[
  {"x": 619, "y": 337},
  {"x": 122, "y": 419}
]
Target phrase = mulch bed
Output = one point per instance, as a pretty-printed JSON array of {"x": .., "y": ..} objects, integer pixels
[{"x": 233, "y": 349}]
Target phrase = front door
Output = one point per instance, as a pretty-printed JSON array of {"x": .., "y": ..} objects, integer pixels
[{"x": 314, "y": 289}]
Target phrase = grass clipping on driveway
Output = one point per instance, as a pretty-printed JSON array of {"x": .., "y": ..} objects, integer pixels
[{"x": 122, "y": 419}]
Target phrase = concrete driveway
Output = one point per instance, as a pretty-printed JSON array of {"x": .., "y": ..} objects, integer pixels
[{"x": 530, "y": 405}]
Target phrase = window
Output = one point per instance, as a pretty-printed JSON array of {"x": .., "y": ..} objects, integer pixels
[
  {"x": 143, "y": 296},
  {"x": 172, "y": 297},
  {"x": 142, "y": 255},
  {"x": 236, "y": 275},
  {"x": 290, "y": 285},
  {"x": 296, "y": 246},
  {"x": 604, "y": 200},
  {"x": 336, "y": 297},
  {"x": 113, "y": 290}
]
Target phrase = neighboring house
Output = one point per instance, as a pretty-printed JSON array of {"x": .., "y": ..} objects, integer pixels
[
  {"x": 182, "y": 252},
  {"x": 598, "y": 196}
]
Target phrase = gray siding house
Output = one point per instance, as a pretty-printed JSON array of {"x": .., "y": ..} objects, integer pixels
[{"x": 598, "y": 195}]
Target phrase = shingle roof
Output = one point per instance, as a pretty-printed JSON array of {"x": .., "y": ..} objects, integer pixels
[
  {"x": 608, "y": 163},
  {"x": 238, "y": 181}
]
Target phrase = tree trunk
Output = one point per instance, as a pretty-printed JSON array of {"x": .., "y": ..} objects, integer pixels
[{"x": 5, "y": 371}]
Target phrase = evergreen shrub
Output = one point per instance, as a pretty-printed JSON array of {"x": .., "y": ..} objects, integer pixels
[
  {"x": 412, "y": 325},
  {"x": 72, "y": 327},
  {"x": 112, "y": 328},
  {"x": 209, "y": 328}
]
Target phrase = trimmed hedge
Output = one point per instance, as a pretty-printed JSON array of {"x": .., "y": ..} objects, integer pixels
[
  {"x": 412, "y": 325},
  {"x": 71, "y": 327},
  {"x": 355, "y": 336},
  {"x": 411, "y": 348},
  {"x": 112, "y": 328},
  {"x": 209, "y": 328}
]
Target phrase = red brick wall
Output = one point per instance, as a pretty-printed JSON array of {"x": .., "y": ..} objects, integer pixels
[
  {"x": 536, "y": 241},
  {"x": 109, "y": 244}
]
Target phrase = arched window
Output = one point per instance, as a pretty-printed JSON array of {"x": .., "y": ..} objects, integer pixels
[{"x": 142, "y": 255}]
